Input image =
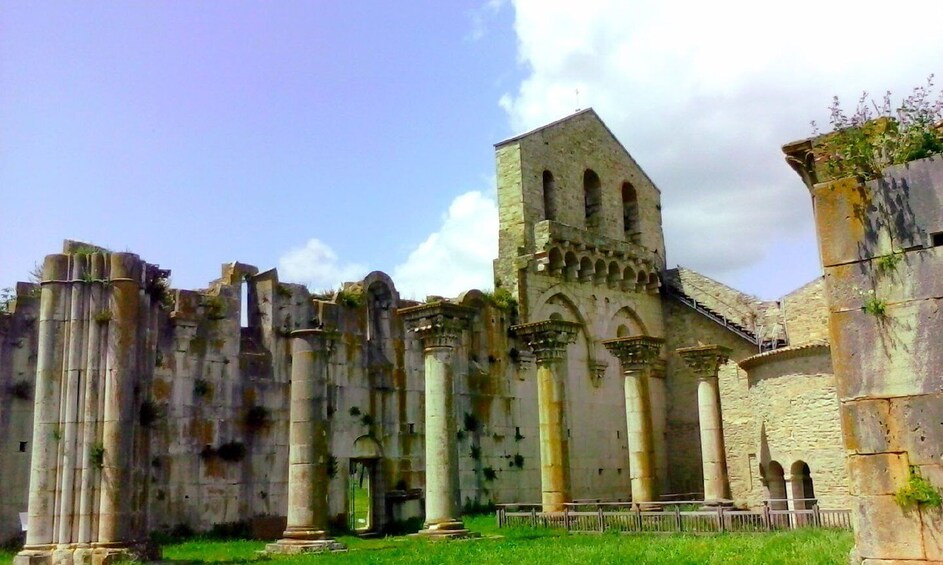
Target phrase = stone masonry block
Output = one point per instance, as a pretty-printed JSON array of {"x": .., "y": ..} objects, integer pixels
[
  {"x": 879, "y": 474},
  {"x": 867, "y": 427},
  {"x": 886, "y": 531}
]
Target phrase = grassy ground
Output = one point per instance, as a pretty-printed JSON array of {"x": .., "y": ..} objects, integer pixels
[{"x": 527, "y": 545}]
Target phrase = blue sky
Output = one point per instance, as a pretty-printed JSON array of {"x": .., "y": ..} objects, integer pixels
[{"x": 330, "y": 139}]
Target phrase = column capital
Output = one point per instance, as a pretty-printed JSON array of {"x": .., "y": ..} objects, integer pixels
[
  {"x": 548, "y": 338},
  {"x": 636, "y": 352},
  {"x": 704, "y": 360},
  {"x": 437, "y": 324},
  {"x": 317, "y": 339}
]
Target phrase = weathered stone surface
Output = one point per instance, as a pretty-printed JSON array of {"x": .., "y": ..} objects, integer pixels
[
  {"x": 884, "y": 531},
  {"x": 878, "y": 474}
]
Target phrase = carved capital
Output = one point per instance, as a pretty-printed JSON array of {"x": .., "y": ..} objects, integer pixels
[
  {"x": 636, "y": 352},
  {"x": 548, "y": 339},
  {"x": 704, "y": 360},
  {"x": 437, "y": 324}
]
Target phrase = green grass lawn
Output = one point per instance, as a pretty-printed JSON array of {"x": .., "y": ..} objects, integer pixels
[{"x": 518, "y": 546}]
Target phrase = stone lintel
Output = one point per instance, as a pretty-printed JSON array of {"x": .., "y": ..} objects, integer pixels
[
  {"x": 437, "y": 324},
  {"x": 636, "y": 352},
  {"x": 548, "y": 338},
  {"x": 704, "y": 360}
]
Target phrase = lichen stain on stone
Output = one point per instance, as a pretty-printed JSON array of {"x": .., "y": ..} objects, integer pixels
[{"x": 161, "y": 389}]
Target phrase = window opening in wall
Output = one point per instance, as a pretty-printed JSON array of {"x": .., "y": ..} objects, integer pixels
[
  {"x": 22, "y": 447},
  {"x": 936, "y": 239},
  {"x": 550, "y": 196},
  {"x": 412, "y": 428},
  {"x": 630, "y": 220},
  {"x": 592, "y": 199}
]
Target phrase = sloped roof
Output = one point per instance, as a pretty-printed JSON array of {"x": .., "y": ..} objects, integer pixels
[{"x": 759, "y": 316}]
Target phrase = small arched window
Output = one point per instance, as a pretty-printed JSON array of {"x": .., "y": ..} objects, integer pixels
[
  {"x": 592, "y": 194},
  {"x": 550, "y": 196},
  {"x": 630, "y": 221}
]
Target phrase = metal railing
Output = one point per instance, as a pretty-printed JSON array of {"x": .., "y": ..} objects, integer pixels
[{"x": 688, "y": 516}]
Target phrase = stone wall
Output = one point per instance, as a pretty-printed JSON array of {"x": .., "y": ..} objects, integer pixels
[
  {"x": 684, "y": 328},
  {"x": 795, "y": 419},
  {"x": 805, "y": 313},
  {"x": 18, "y": 344}
]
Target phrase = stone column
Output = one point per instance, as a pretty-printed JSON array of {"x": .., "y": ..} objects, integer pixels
[
  {"x": 637, "y": 355},
  {"x": 114, "y": 519},
  {"x": 44, "y": 464},
  {"x": 308, "y": 447},
  {"x": 704, "y": 361},
  {"x": 548, "y": 340},
  {"x": 439, "y": 325}
]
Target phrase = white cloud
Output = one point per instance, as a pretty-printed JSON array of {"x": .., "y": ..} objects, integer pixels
[
  {"x": 459, "y": 256},
  {"x": 704, "y": 94},
  {"x": 317, "y": 266}
]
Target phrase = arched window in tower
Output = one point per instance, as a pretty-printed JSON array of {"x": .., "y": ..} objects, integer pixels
[
  {"x": 630, "y": 221},
  {"x": 592, "y": 194},
  {"x": 550, "y": 196}
]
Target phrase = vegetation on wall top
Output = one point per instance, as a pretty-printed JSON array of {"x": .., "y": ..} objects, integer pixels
[{"x": 877, "y": 135}]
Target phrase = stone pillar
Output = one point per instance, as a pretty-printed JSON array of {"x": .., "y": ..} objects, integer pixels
[
  {"x": 308, "y": 447},
  {"x": 118, "y": 421},
  {"x": 638, "y": 355},
  {"x": 85, "y": 415},
  {"x": 439, "y": 326},
  {"x": 45, "y": 458},
  {"x": 548, "y": 340},
  {"x": 704, "y": 361}
]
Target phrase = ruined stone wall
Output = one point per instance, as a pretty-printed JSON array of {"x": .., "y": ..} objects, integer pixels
[
  {"x": 685, "y": 328},
  {"x": 18, "y": 345},
  {"x": 879, "y": 244}
]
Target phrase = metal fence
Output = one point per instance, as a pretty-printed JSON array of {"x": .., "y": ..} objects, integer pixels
[{"x": 670, "y": 517}]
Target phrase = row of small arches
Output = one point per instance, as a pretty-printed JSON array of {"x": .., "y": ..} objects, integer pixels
[
  {"x": 592, "y": 203},
  {"x": 573, "y": 268}
]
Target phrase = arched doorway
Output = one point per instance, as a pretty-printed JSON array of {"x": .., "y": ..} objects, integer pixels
[
  {"x": 803, "y": 491},
  {"x": 361, "y": 485},
  {"x": 776, "y": 485}
]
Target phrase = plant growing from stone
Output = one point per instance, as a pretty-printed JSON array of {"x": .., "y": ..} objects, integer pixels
[
  {"x": 877, "y": 135},
  {"x": 201, "y": 387},
  {"x": 918, "y": 491},
  {"x": 103, "y": 317},
  {"x": 875, "y": 306},
  {"x": 96, "y": 455},
  {"x": 258, "y": 417},
  {"x": 7, "y": 296},
  {"x": 22, "y": 390},
  {"x": 149, "y": 413},
  {"x": 888, "y": 263}
]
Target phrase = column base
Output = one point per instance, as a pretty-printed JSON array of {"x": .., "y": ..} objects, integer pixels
[
  {"x": 445, "y": 530},
  {"x": 84, "y": 554},
  {"x": 289, "y": 546}
]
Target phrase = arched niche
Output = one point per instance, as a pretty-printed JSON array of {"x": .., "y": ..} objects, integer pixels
[
  {"x": 592, "y": 199},
  {"x": 630, "y": 216},
  {"x": 549, "y": 185}
]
